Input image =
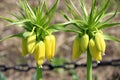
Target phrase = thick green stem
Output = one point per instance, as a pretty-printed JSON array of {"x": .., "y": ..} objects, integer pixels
[
  {"x": 89, "y": 66},
  {"x": 39, "y": 72}
]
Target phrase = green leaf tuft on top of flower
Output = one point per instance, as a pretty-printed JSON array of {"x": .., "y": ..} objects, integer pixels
[
  {"x": 89, "y": 21},
  {"x": 34, "y": 19}
]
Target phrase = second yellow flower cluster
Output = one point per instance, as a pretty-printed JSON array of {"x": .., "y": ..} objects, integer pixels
[{"x": 96, "y": 46}]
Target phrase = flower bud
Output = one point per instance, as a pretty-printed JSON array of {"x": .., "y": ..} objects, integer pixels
[
  {"x": 53, "y": 41},
  {"x": 31, "y": 41},
  {"x": 84, "y": 40},
  {"x": 48, "y": 47},
  {"x": 39, "y": 52},
  {"x": 76, "y": 48},
  {"x": 100, "y": 42},
  {"x": 95, "y": 53}
]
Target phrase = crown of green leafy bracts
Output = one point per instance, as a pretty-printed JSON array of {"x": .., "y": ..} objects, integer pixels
[
  {"x": 39, "y": 18},
  {"x": 89, "y": 22},
  {"x": 34, "y": 19}
]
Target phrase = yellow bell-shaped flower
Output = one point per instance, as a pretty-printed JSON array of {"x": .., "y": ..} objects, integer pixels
[{"x": 39, "y": 53}]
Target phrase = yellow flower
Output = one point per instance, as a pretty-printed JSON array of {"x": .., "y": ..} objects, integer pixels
[
  {"x": 31, "y": 41},
  {"x": 80, "y": 45},
  {"x": 100, "y": 42},
  {"x": 50, "y": 44},
  {"x": 76, "y": 48},
  {"x": 84, "y": 40},
  {"x": 39, "y": 53},
  {"x": 53, "y": 41},
  {"x": 95, "y": 53}
]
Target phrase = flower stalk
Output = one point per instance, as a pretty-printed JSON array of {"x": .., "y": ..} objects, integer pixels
[
  {"x": 39, "y": 72},
  {"x": 89, "y": 65}
]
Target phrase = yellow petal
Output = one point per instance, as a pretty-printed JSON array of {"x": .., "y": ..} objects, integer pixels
[
  {"x": 95, "y": 53},
  {"x": 39, "y": 52},
  {"x": 31, "y": 41},
  {"x": 76, "y": 49},
  {"x": 48, "y": 47},
  {"x": 53, "y": 41}
]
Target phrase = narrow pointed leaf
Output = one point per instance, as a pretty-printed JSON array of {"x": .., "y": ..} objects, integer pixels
[
  {"x": 108, "y": 25},
  {"x": 7, "y": 19},
  {"x": 102, "y": 11},
  {"x": 111, "y": 17},
  {"x": 51, "y": 12},
  {"x": 19, "y": 22},
  {"x": 108, "y": 37},
  {"x": 83, "y": 7},
  {"x": 11, "y": 36}
]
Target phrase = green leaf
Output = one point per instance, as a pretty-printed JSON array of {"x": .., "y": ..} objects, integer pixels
[
  {"x": 19, "y": 22},
  {"x": 110, "y": 14},
  {"x": 16, "y": 16},
  {"x": 77, "y": 23},
  {"x": 100, "y": 14},
  {"x": 78, "y": 15},
  {"x": 73, "y": 10},
  {"x": 83, "y": 7},
  {"x": 59, "y": 27},
  {"x": 11, "y": 36},
  {"x": 111, "y": 17},
  {"x": 7, "y": 19},
  {"x": 2, "y": 77},
  {"x": 39, "y": 11},
  {"x": 66, "y": 17},
  {"x": 56, "y": 27},
  {"x": 34, "y": 76},
  {"x": 90, "y": 21},
  {"x": 102, "y": 26},
  {"x": 50, "y": 13},
  {"x": 22, "y": 14},
  {"x": 29, "y": 12},
  {"x": 74, "y": 74},
  {"x": 108, "y": 37},
  {"x": 30, "y": 9}
]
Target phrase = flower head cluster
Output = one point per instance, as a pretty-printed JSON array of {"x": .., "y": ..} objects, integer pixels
[
  {"x": 96, "y": 46},
  {"x": 37, "y": 39},
  {"x": 88, "y": 26},
  {"x": 40, "y": 50}
]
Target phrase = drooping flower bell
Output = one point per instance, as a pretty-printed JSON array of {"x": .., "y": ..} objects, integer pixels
[
  {"x": 100, "y": 42},
  {"x": 39, "y": 52},
  {"x": 95, "y": 53},
  {"x": 50, "y": 44},
  {"x": 80, "y": 45},
  {"x": 28, "y": 44}
]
